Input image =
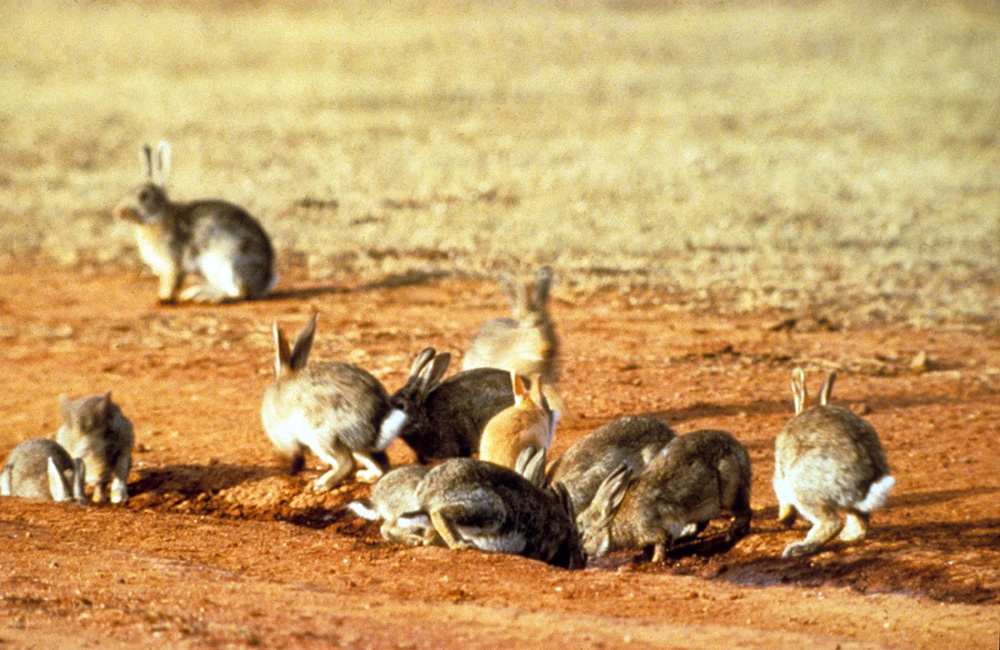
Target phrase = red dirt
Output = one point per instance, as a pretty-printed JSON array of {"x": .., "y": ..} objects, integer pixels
[{"x": 220, "y": 546}]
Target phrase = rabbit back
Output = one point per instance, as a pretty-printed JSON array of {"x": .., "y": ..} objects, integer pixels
[
  {"x": 828, "y": 455},
  {"x": 633, "y": 440},
  {"x": 27, "y": 472}
]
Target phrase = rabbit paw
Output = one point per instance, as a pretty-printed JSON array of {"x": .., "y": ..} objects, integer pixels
[{"x": 798, "y": 549}]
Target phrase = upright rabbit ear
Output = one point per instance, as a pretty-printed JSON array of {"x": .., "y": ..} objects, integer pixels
[
  {"x": 799, "y": 389},
  {"x": 5, "y": 481},
  {"x": 515, "y": 293},
  {"x": 303, "y": 343},
  {"x": 423, "y": 358},
  {"x": 543, "y": 284},
  {"x": 147, "y": 158},
  {"x": 611, "y": 493},
  {"x": 163, "y": 164},
  {"x": 57, "y": 482},
  {"x": 66, "y": 409},
  {"x": 282, "y": 352},
  {"x": 434, "y": 372},
  {"x": 530, "y": 464},
  {"x": 520, "y": 390},
  {"x": 824, "y": 392},
  {"x": 79, "y": 480},
  {"x": 536, "y": 391},
  {"x": 565, "y": 500}
]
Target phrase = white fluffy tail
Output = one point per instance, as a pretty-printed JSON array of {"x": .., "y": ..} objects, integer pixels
[
  {"x": 391, "y": 427},
  {"x": 877, "y": 495},
  {"x": 364, "y": 509}
]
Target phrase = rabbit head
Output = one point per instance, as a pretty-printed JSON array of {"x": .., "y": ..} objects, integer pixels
[
  {"x": 529, "y": 308},
  {"x": 425, "y": 375}
]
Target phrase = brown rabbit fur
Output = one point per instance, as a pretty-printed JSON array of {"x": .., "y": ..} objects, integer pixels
[{"x": 525, "y": 424}]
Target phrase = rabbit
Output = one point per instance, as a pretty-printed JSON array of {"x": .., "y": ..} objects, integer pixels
[
  {"x": 694, "y": 479},
  {"x": 526, "y": 343},
  {"x": 215, "y": 239},
  {"x": 445, "y": 419},
  {"x": 476, "y": 504},
  {"x": 337, "y": 410},
  {"x": 42, "y": 469},
  {"x": 393, "y": 495},
  {"x": 95, "y": 429},
  {"x": 827, "y": 459},
  {"x": 523, "y": 425},
  {"x": 633, "y": 440}
]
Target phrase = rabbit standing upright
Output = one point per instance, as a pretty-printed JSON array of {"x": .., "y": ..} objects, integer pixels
[
  {"x": 215, "y": 239},
  {"x": 42, "y": 469},
  {"x": 337, "y": 410},
  {"x": 95, "y": 429},
  {"x": 827, "y": 459},
  {"x": 523, "y": 425},
  {"x": 526, "y": 343},
  {"x": 695, "y": 478}
]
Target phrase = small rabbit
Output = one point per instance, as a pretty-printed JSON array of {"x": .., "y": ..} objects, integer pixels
[
  {"x": 827, "y": 459},
  {"x": 520, "y": 426},
  {"x": 475, "y": 504},
  {"x": 633, "y": 440},
  {"x": 218, "y": 240},
  {"x": 694, "y": 479},
  {"x": 392, "y": 496},
  {"x": 526, "y": 343},
  {"x": 95, "y": 429},
  {"x": 337, "y": 410},
  {"x": 445, "y": 419},
  {"x": 42, "y": 469}
]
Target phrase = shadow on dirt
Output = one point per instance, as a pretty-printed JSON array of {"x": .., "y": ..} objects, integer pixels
[{"x": 192, "y": 480}]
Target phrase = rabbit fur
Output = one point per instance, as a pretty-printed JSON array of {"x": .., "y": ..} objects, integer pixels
[
  {"x": 523, "y": 425},
  {"x": 827, "y": 460},
  {"x": 42, "y": 469},
  {"x": 219, "y": 241},
  {"x": 695, "y": 478},
  {"x": 338, "y": 411},
  {"x": 525, "y": 343},
  {"x": 445, "y": 419},
  {"x": 95, "y": 430},
  {"x": 633, "y": 440},
  {"x": 392, "y": 496},
  {"x": 476, "y": 504}
]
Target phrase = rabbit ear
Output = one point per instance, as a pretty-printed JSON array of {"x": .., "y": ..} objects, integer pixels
[
  {"x": 536, "y": 390},
  {"x": 104, "y": 406},
  {"x": 303, "y": 343},
  {"x": 799, "y": 389},
  {"x": 542, "y": 285},
  {"x": 423, "y": 358},
  {"x": 610, "y": 495},
  {"x": 565, "y": 501},
  {"x": 530, "y": 464},
  {"x": 282, "y": 353},
  {"x": 147, "y": 157},
  {"x": 66, "y": 409},
  {"x": 162, "y": 164},
  {"x": 57, "y": 482},
  {"x": 432, "y": 374},
  {"x": 516, "y": 295},
  {"x": 79, "y": 480},
  {"x": 5, "y": 481},
  {"x": 824, "y": 392},
  {"x": 520, "y": 391}
]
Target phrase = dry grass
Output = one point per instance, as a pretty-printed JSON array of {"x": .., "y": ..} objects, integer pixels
[{"x": 832, "y": 156}]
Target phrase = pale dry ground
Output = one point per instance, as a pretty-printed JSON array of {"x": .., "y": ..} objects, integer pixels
[{"x": 837, "y": 156}]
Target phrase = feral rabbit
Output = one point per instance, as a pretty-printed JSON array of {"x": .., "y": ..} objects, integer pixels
[
  {"x": 95, "y": 429},
  {"x": 827, "y": 459},
  {"x": 523, "y": 425},
  {"x": 392, "y": 496},
  {"x": 42, "y": 469},
  {"x": 215, "y": 239},
  {"x": 695, "y": 478},
  {"x": 445, "y": 419},
  {"x": 479, "y": 505},
  {"x": 633, "y": 440},
  {"x": 337, "y": 410},
  {"x": 526, "y": 343}
]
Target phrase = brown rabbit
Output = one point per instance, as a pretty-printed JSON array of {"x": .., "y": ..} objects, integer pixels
[{"x": 523, "y": 425}]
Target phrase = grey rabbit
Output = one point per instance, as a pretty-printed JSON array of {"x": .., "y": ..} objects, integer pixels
[
  {"x": 445, "y": 419},
  {"x": 476, "y": 504},
  {"x": 392, "y": 496},
  {"x": 827, "y": 460},
  {"x": 525, "y": 343},
  {"x": 95, "y": 429},
  {"x": 694, "y": 479},
  {"x": 633, "y": 440},
  {"x": 337, "y": 410},
  {"x": 42, "y": 469},
  {"x": 216, "y": 239}
]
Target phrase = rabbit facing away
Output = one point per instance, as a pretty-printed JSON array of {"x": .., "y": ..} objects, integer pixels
[
  {"x": 42, "y": 469},
  {"x": 95, "y": 430},
  {"x": 392, "y": 496},
  {"x": 633, "y": 440},
  {"x": 445, "y": 419},
  {"x": 827, "y": 460},
  {"x": 523, "y": 425},
  {"x": 215, "y": 239},
  {"x": 694, "y": 479},
  {"x": 479, "y": 505},
  {"x": 338, "y": 411},
  {"x": 524, "y": 343}
]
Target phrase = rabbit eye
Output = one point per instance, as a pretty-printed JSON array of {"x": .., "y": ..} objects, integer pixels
[{"x": 144, "y": 195}]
